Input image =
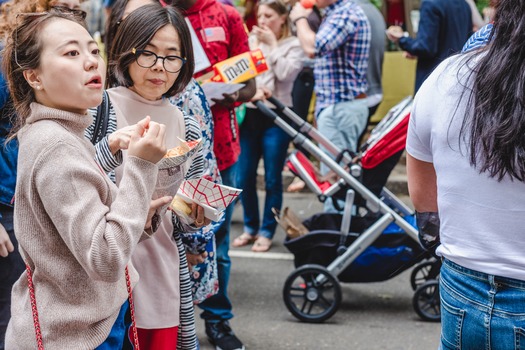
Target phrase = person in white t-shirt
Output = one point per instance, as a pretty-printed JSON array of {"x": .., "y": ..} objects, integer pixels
[{"x": 466, "y": 173}]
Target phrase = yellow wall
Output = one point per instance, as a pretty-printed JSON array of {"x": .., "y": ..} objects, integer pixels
[{"x": 399, "y": 75}]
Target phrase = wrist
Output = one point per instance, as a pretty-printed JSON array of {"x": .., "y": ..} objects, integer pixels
[{"x": 294, "y": 22}]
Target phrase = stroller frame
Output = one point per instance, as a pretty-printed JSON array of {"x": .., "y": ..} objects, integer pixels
[{"x": 389, "y": 207}]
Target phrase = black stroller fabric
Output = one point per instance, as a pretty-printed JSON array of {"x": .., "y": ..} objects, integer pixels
[{"x": 392, "y": 253}]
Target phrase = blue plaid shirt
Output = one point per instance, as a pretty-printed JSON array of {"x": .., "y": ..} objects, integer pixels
[{"x": 342, "y": 45}]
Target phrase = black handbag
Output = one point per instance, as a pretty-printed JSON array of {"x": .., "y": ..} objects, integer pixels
[{"x": 102, "y": 119}]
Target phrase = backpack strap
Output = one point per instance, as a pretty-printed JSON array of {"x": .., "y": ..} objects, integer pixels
[{"x": 102, "y": 119}]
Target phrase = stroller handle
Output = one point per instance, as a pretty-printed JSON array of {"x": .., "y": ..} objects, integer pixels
[{"x": 278, "y": 104}]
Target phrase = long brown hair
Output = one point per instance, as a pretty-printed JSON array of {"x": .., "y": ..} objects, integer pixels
[{"x": 281, "y": 8}]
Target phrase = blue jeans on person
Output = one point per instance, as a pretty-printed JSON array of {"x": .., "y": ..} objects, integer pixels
[
  {"x": 480, "y": 311},
  {"x": 119, "y": 331},
  {"x": 11, "y": 267},
  {"x": 342, "y": 124},
  {"x": 219, "y": 307},
  {"x": 272, "y": 145}
]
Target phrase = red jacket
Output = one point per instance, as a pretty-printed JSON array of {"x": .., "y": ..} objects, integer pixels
[{"x": 221, "y": 32}]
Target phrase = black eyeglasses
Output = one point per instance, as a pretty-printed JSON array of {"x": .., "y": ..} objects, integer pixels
[
  {"x": 147, "y": 59},
  {"x": 75, "y": 12}
]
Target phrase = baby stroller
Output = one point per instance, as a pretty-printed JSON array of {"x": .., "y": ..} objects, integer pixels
[{"x": 373, "y": 240}]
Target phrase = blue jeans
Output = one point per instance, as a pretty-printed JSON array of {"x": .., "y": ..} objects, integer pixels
[
  {"x": 342, "y": 124},
  {"x": 11, "y": 268},
  {"x": 272, "y": 145},
  {"x": 480, "y": 311},
  {"x": 219, "y": 307}
]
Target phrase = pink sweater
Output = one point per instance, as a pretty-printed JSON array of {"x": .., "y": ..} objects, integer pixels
[{"x": 76, "y": 231}]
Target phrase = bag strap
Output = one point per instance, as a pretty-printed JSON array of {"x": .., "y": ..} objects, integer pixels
[
  {"x": 101, "y": 121},
  {"x": 36, "y": 322}
]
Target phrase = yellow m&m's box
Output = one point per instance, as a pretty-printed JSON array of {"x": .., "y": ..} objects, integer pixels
[{"x": 240, "y": 68}]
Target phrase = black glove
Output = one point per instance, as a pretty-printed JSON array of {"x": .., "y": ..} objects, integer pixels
[{"x": 428, "y": 225}]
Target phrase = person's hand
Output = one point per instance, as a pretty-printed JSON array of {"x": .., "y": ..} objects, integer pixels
[
  {"x": 394, "y": 33},
  {"x": 153, "y": 206},
  {"x": 197, "y": 214},
  {"x": 298, "y": 11},
  {"x": 228, "y": 100},
  {"x": 120, "y": 139},
  {"x": 409, "y": 56},
  {"x": 6, "y": 246},
  {"x": 265, "y": 35},
  {"x": 261, "y": 93},
  {"x": 196, "y": 259},
  {"x": 148, "y": 141}
]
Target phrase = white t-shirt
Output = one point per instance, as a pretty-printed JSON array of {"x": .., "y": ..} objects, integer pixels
[{"x": 482, "y": 220}]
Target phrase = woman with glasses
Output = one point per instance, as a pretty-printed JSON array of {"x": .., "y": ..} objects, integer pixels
[
  {"x": 150, "y": 60},
  {"x": 259, "y": 136},
  {"x": 76, "y": 229},
  {"x": 196, "y": 248}
]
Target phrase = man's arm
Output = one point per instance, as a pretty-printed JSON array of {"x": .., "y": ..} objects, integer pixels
[
  {"x": 425, "y": 45},
  {"x": 306, "y": 36}
]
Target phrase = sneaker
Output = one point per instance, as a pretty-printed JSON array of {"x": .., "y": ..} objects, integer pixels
[{"x": 221, "y": 335}]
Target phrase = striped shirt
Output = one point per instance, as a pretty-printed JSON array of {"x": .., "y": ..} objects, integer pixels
[
  {"x": 479, "y": 39},
  {"x": 342, "y": 47}
]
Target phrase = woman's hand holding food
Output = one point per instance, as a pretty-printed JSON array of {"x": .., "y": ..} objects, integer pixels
[
  {"x": 197, "y": 214},
  {"x": 120, "y": 139},
  {"x": 265, "y": 35},
  {"x": 153, "y": 206},
  {"x": 148, "y": 141}
]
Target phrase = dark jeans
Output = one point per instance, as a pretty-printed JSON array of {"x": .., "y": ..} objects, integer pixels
[
  {"x": 303, "y": 88},
  {"x": 219, "y": 306},
  {"x": 11, "y": 268},
  {"x": 270, "y": 143}
]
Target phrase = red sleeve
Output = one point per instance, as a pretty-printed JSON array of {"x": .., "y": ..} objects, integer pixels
[{"x": 238, "y": 35}]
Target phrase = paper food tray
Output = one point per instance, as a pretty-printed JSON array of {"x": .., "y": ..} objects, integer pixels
[
  {"x": 171, "y": 162},
  {"x": 214, "y": 198}
]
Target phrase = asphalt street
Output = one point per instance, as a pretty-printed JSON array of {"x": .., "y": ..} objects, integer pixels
[{"x": 371, "y": 316}]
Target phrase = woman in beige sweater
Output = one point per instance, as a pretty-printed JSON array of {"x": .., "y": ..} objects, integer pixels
[{"x": 75, "y": 228}]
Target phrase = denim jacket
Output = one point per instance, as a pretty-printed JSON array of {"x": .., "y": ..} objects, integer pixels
[{"x": 8, "y": 152}]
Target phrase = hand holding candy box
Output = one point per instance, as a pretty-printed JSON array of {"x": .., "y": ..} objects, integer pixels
[{"x": 214, "y": 198}]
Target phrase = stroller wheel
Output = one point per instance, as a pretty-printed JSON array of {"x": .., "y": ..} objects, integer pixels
[
  {"x": 423, "y": 272},
  {"x": 312, "y": 294},
  {"x": 426, "y": 301}
]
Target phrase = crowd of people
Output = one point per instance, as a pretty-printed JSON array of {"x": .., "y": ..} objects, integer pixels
[{"x": 90, "y": 258}]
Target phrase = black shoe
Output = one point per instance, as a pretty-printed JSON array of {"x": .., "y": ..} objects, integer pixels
[{"x": 221, "y": 335}]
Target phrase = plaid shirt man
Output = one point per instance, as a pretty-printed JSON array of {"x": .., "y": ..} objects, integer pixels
[{"x": 342, "y": 45}]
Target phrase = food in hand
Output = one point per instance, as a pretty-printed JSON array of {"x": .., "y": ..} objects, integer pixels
[
  {"x": 178, "y": 204},
  {"x": 185, "y": 147},
  {"x": 175, "y": 152}
]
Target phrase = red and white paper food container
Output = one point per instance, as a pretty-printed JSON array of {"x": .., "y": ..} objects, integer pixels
[{"x": 214, "y": 198}]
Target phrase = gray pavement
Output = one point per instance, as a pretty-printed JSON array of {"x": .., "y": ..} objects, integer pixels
[{"x": 372, "y": 315}]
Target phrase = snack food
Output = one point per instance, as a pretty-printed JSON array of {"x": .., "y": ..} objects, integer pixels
[
  {"x": 184, "y": 147},
  {"x": 178, "y": 204},
  {"x": 240, "y": 68}
]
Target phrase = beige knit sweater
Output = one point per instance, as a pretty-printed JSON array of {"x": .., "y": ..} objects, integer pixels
[{"x": 76, "y": 231}]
